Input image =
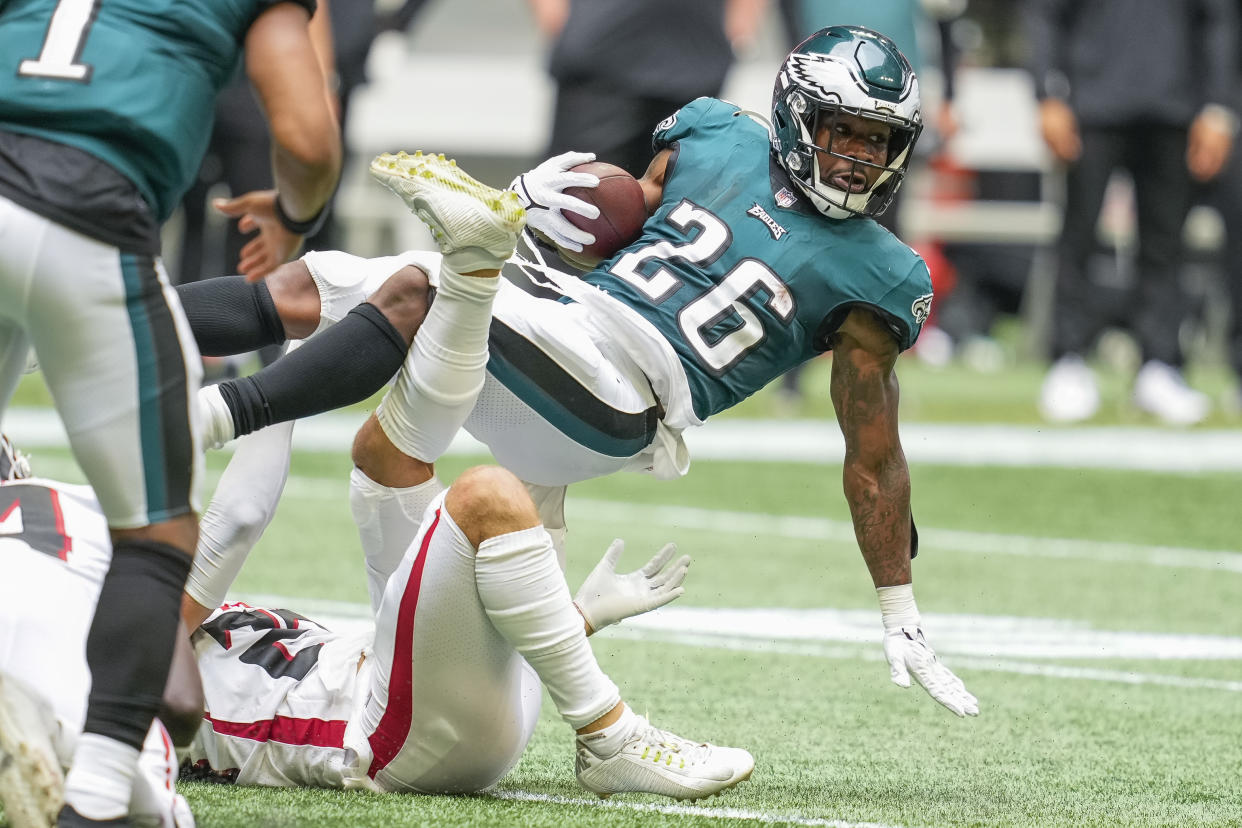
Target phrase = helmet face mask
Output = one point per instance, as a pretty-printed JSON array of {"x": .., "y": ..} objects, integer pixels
[{"x": 859, "y": 74}]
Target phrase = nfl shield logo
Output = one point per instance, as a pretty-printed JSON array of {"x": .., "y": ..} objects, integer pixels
[{"x": 785, "y": 198}]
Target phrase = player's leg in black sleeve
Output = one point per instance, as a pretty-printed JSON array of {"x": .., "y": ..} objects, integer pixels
[{"x": 341, "y": 365}]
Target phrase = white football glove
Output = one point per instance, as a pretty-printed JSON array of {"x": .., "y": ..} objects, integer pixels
[
  {"x": 909, "y": 654},
  {"x": 606, "y": 597},
  {"x": 541, "y": 193}
]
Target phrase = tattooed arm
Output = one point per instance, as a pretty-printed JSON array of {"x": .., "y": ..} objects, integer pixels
[
  {"x": 877, "y": 481},
  {"x": 877, "y": 486}
]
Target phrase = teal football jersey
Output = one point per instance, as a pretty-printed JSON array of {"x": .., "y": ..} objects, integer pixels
[
  {"x": 132, "y": 82},
  {"x": 741, "y": 275}
]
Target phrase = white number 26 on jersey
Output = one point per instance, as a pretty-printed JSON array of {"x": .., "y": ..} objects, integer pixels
[{"x": 747, "y": 278}]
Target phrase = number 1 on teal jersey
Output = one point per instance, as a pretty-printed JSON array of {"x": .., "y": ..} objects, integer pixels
[{"x": 66, "y": 35}]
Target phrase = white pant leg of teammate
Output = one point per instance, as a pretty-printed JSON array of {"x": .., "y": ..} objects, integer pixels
[{"x": 55, "y": 548}]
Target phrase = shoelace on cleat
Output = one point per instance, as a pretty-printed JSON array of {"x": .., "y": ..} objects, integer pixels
[{"x": 667, "y": 744}]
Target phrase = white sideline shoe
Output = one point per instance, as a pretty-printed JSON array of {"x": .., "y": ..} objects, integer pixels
[
  {"x": 476, "y": 226},
  {"x": 656, "y": 761},
  {"x": 32, "y": 785},
  {"x": 1160, "y": 389},
  {"x": 1069, "y": 392}
]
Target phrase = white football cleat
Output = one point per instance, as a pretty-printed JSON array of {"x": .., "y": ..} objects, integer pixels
[
  {"x": 1160, "y": 389},
  {"x": 656, "y": 761},
  {"x": 476, "y": 226},
  {"x": 1069, "y": 393},
  {"x": 32, "y": 785}
]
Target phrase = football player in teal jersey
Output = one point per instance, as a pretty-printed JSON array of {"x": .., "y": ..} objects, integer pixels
[
  {"x": 105, "y": 109},
  {"x": 760, "y": 253}
]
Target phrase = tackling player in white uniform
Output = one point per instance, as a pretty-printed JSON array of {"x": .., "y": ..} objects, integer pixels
[
  {"x": 441, "y": 697},
  {"x": 54, "y": 552},
  {"x": 473, "y": 615}
]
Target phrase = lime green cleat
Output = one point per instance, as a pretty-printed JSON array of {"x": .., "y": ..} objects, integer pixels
[
  {"x": 476, "y": 226},
  {"x": 659, "y": 762}
]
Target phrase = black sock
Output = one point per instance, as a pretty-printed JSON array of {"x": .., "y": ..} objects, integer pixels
[
  {"x": 229, "y": 315},
  {"x": 343, "y": 365},
  {"x": 130, "y": 644}
]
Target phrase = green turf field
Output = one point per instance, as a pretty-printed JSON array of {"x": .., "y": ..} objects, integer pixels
[
  {"x": 1064, "y": 598},
  {"x": 1095, "y": 613}
]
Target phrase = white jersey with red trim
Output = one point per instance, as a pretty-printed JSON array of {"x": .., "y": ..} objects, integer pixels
[
  {"x": 61, "y": 520},
  {"x": 280, "y": 690}
]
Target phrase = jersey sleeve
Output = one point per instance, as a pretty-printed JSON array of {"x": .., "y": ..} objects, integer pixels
[
  {"x": 908, "y": 304},
  {"x": 263, "y": 5},
  {"x": 685, "y": 120}
]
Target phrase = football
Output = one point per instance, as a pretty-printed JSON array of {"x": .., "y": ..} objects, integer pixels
[{"x": 622, "y": 212}]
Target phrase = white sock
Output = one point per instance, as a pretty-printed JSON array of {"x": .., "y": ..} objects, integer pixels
[
  {"x": 528, "y": 601},
  {"x": 387, "y": 520},
  {"x": 439, "y": 382},
  {"x": 608, "y": 740},
  {"x": 101, "y": 780},
  {"x": 217, "y": 425}
]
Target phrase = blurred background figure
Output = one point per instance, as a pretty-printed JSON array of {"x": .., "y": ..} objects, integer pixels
[
  {"x": 1146, "y": 86},
  {"x": 622, "y": 67},
  {"x": 1224, "y": 194}
]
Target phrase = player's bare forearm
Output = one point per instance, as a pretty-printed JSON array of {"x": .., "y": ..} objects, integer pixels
[
  {"x": 306, "y": 147},
  {"x": 876, "y": 478}
]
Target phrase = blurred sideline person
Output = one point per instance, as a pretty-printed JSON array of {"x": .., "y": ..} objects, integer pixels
[
  {"x": 620, "y": 68},
  {"x": 470, "y": 616},
  {"x": 55, "y": 546},
  {"x": 1225, "y": 194},
  {"x": 102, "y": 114},
  {"x": 728, "y": 287},
  {"x": 1106, "y": 103}
]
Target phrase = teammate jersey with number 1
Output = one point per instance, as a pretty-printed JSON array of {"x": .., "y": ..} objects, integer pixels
[
  {"x": 132, "y": 82},
  {"x": 740, "y": 274}
]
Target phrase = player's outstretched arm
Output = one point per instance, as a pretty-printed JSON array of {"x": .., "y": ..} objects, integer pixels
[
  {"x": 607, "y": 596},
  {"x": 877, "y": 487},
  {"x": 306, "y": 144},
  {"x": 241, "y": 508}
]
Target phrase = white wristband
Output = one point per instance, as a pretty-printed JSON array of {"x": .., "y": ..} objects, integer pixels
[{"x": 897, "y": 606}]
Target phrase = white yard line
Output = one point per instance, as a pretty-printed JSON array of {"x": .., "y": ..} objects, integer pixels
[
  {"x": 702, "y": 812},
  {"x": 959, "y": 663},
  {"x": 841, "y": 531},
  {"x": 986, "y": 643},
  {"x": 618, "y": 513},
  {"x": 814, "y": 441}
]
